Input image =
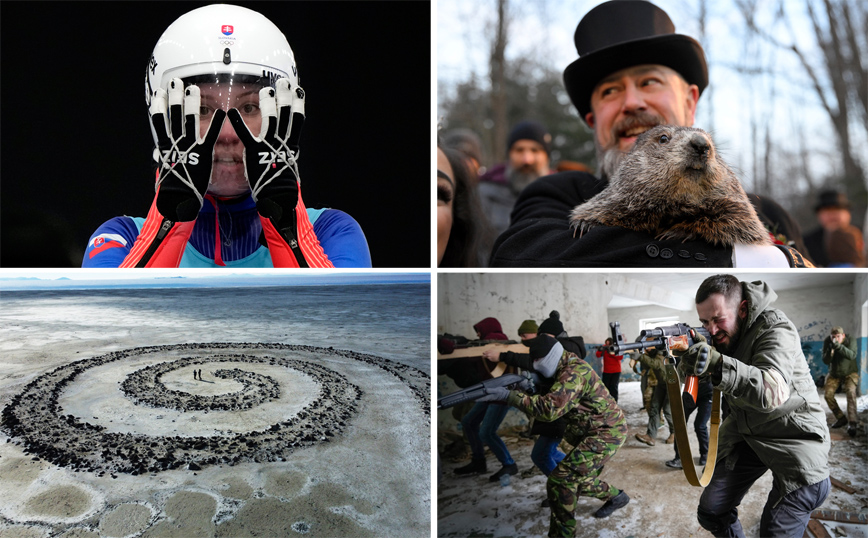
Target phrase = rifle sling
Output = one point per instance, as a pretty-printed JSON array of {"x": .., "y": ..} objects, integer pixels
[{"x": 673, "y": 385}]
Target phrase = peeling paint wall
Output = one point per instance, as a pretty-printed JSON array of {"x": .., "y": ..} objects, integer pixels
[
  {"x": 860, "y": 312},
  {"x": 463, "y": 299},
  {"x": 814, "y": 312},
  {"x": 466, "y": 298}
]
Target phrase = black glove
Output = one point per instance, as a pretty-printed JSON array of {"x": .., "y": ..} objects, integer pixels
[
  {"x": 185, "y": 159},
  {"x": 270, "y": 158},
  {"x": 700, "y": 359}
]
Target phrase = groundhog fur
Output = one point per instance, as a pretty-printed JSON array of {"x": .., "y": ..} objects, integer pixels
[{"x": 673, "y": 185}]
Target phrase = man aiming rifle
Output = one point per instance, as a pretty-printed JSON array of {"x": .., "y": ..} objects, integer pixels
[
  {"x": 595, "y": 426},
  {"x": 775, "y": 422}
]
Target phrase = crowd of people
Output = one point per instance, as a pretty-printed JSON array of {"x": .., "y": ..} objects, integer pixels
[
  {"x": 772, "y": 417},
  {"x": 633, "y": 73}
]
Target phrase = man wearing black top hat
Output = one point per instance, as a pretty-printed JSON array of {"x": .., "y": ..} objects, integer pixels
[
  {"x": 826, "y": 243},
  {"x": 634, "y": 72}
]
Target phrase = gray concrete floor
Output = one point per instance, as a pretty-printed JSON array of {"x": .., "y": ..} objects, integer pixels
[{"x": 662, "y": 503}]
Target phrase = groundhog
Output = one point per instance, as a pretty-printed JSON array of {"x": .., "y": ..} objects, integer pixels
[{"x": 673, "y": 185}]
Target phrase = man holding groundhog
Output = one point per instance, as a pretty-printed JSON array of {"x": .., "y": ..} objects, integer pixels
[{"x": 634, "y": 72}]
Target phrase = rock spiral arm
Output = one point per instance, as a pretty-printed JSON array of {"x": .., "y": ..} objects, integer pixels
[
  {"x": 145, "y": 387},
  {"x": 34, "y": 417}
]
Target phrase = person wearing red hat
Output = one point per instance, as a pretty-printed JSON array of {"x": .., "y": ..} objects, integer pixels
[
  {"x": 633, "y": 73},
  {"x": 480, "y": 424}
]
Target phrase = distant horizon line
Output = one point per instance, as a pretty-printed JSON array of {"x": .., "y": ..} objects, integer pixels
[{"x": 19, "y": 283}]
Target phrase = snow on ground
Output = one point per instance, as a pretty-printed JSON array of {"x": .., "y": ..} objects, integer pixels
[{"x": 662, "y": 502}]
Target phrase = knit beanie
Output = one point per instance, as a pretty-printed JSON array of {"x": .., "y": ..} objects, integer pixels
[
  {"x": 530, "y": 130},
  {"x": 837, "y": 330},
  {"x": 552, "y": 325},
  {"x": 528, "y": 326}
]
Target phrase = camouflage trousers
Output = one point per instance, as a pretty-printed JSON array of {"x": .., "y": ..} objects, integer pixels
[
  {"x": 577, "y": 476},
  {"x": 850, "y": 383}
]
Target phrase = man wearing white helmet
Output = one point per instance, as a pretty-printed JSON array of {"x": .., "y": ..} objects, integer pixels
[{"x": 226, "y": 115}]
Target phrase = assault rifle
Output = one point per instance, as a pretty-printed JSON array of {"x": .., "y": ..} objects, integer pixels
[
  {"x": 481, "y": 389},
  {"x": 678, "y": 337}
]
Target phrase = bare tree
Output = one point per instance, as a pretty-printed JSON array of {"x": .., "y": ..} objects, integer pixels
[
  {"x": 837, "y": 74},
  {"x": 498, "y": 75}
]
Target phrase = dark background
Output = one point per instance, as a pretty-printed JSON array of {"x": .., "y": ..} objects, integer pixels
[{"x": 76, "y": 142}]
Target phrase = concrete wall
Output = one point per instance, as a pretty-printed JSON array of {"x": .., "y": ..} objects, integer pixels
[
  {"x": 630, "y": 319},
  {"x": 814, "y": 311},
  {"x": 463, "y": 299},
  {"x": 860, "y": 312},
  {"x": 466, "y": 298}
]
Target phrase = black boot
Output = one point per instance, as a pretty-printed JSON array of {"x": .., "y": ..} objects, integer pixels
[
  {"x": 675, "y": 463},
  {"x": 618, "y": 501},
  {"x": 506, "y": 469},
  {"x": 839, "y": 423},
  {"x": 476, "y": 465}
]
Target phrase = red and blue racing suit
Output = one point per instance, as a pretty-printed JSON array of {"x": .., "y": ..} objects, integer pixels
[{"x": 227, "y": 233}]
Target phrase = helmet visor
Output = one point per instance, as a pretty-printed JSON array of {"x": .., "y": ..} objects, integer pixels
[{"x": 225, "y": 91}]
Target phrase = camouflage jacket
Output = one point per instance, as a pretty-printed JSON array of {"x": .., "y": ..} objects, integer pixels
[
  {"x": 654, "y": 364},
  {"x": 580, "y": 397}
]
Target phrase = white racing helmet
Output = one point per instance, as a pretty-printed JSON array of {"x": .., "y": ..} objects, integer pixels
[{"x": 218, "y": 44}]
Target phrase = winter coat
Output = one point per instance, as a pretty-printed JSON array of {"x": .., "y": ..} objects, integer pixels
[
  {"x": 489, "y": 329},
  {"x": 653, "y": 364},
  {"x": 842, "y": 361},
  {"x": 611, "y": 362},
  {"x": 539, "y": 234},
  {"x": 580, "y": 397},
  {"x": 555, "y": 428},
  {"x": 790, "y": 437}
]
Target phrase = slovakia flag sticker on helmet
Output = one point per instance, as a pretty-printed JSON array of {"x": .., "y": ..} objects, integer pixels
[{"x": 227, "y": 29}]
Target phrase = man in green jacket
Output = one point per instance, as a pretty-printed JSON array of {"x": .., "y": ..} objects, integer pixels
[
  {"x": 595, "y": 426},
  {"x": 839, "y": 352},
  {"x": 776, "y": 420}
]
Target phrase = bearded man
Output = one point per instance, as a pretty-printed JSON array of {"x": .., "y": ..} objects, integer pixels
[
  {"x": 775, "y": 422},
  {"x": 527, "y": 147},
  {"x": 634, "y": 72}
]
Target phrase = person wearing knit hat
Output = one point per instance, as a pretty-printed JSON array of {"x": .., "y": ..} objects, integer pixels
[
  {"x": 552, "y": 325},
  {"x": 839, "y": 352},
  {"x": 633, "y": 72},
  {"x": 480, "y": 424},
  {"x": 595, "y": 426},
  {"x": 528, "y": 151},
  {"x": 528, "y": 329}
]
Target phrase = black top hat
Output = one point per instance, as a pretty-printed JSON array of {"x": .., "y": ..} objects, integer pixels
[
  {"x": 623, "y": 33},
  {"x": 832, "y": 199}
]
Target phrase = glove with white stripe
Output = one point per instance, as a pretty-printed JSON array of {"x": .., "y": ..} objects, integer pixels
[
  {"x": 270, "y": 158},
  {"x": 185, "y": 159}
]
